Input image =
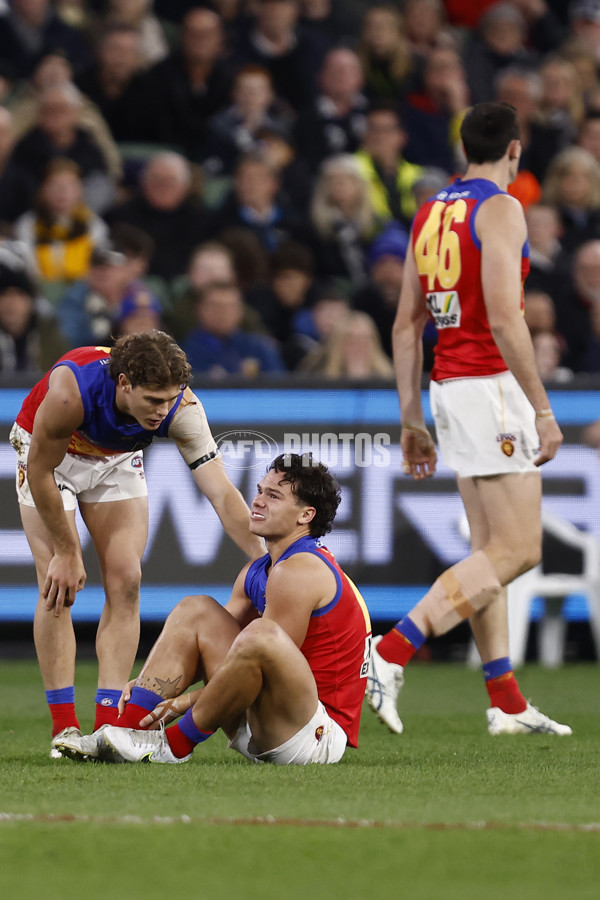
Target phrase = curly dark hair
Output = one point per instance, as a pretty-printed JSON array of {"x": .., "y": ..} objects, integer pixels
[
  {"x": 313, "y": 484},
  {"x": 151, "y": 357}
]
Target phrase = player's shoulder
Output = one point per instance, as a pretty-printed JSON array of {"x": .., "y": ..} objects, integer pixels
[{"x": 500, "y": 212}]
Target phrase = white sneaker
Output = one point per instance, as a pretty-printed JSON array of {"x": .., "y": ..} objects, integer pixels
[
  {"x": 530, "y": 721},
  {"x": 129, "y": 745},
  {"x": 384, "y": 683},
  {"x": 68, "y": 733},
  {"x": 79, "y": 747}
]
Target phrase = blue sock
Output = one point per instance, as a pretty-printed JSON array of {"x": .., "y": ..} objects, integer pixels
[{"x": 496, "y": 667}]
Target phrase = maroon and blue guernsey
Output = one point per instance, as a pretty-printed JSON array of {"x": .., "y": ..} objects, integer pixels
[{"x": 338, "y": 640}]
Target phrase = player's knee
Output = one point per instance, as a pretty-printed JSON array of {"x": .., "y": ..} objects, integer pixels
[
  {"x": 258, "y": 639},
  {"x": 195, "y": 611},
  {"x": 123, "y": 584}
]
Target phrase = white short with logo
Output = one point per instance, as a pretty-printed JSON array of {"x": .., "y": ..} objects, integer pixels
[
  {"x": 98, "y": 479},
  {"x": 320, "y": 741},
  {"x": 484, "y": 426}
]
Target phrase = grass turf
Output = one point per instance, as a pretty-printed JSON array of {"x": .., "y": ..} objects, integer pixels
[{"x": 444, "y": 811}]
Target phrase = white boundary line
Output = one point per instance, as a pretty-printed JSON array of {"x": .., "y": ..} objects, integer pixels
[{"x": 581, "y": 828}]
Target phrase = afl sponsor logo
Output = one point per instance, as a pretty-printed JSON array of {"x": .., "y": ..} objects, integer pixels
[
  {"x": 137, "y": 462},
  {"x": 246, "y": 449}
]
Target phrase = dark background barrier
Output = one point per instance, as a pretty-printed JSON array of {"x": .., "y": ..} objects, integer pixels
[{"x": 393, "y": 536}]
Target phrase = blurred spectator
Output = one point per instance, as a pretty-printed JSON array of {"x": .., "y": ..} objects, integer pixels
[
  {"x": 429, "y": 183},
  {"x": 574, "y": 312},
  {"x": 547, "y": 350},
  {"x": 291, "y": 55},
  {"x": 572, "y": 186},
  {"x": 29, "y": 337},
  {"x": 344, "y": 220},
  {"x": 550, "y": 265},
  {"x": 432, "y": 116},
  {"x": 390, "y": 177},
  {"x": 335, "y": 120},
  {"x": 175, "y": 98},
  {"x": 210, "y": 262},
  {"x": 327, "y": 19},
  {"x": 250, "y": 258},
  {"x": 254, "y": 203},
  {"x": 61, "y": 230},
  {"x": 294, "y": 175},
  {"x": 583, "y": 60},
  {"x": 352, "y": 351},
  {"x": 57, "y": 133},
  {"x": 539, "y": 312},
  {"x": 29, "y": 29},
  {"x": 55, "y": 70},
  {"x": 165, "y": 210},
  {"x": 108, "y": 82},
  {"x": 425, "y": 25},
  {"x": 290, "y": 290},
  {"x": 561, "y": 103},
  {"x": 88, "y": 311},
  {"x": 316, "y": 323},
  {"x": 139, "y": 311},
  {"x": 16, "y": 185},
  {"x": 589, "y": 134},
  {"x": 234, "y": 131},
  {"x": 540, "y": 140},
  {"x": 137, "y": 14},
  {"x": 217, "y": 346},
  {"x": 499, "y": 42},
  {"x": 385, "y": 53},
  {"x": 379, "y": 296},
  {"x": 585, "y": 24}
]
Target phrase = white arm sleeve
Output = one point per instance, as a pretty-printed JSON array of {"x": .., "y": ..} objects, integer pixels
[{"x": 191, "y": 432}]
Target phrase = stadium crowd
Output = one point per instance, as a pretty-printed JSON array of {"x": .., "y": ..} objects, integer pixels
[{"x": 243, "y": 173}]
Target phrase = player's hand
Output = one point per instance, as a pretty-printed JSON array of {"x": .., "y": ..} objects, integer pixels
[
  {"x": 550, "y": 437},
  {"x": 418, "y": 450},
  {"x": 168, "y": 710},
  {"x": 65, "y": 576},
  {"x": 126, "y": 695}
]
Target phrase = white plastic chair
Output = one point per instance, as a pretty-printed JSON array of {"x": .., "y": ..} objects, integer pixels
[{"x": 553, "y": 587}]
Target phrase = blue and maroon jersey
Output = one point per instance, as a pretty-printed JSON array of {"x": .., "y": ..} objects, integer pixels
[
  {"x": 338, "y": 640},
  {"x": 103, "y": 431},
  {"x": 448, "y": 256}
]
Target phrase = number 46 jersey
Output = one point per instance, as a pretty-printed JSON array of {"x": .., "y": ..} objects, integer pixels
[{"x": 448, "y": 257}]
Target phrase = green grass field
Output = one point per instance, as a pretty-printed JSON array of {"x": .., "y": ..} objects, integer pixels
[{"x": 444, "y": 811}]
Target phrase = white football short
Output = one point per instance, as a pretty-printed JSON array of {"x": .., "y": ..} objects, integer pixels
[
  {"x": 320, "y": 741},
  {"x": 99, "y": 479},
  {"x": 484, "y": 426}
]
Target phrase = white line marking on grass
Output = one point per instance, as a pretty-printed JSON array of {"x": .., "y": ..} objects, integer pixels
[{"x": 50, "y": 818}]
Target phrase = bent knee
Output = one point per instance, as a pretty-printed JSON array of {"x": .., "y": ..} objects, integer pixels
[
  {"x": 259, "y": 638},
  {"x": 196, "y": 609}
]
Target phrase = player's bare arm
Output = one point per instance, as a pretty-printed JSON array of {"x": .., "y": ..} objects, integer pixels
[
  {"x": 59, "y": 414},
  {"x": 239, "y": 604},
  {"x": 295, "y": 588},
  {"x": 417, "y": 444},
  {"x": 191, "y": 433},
  {"x": 501, "y": 227}
]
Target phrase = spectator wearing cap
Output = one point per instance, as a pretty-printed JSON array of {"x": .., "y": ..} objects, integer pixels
[
  {"x": 218, "y": 347},
  {"x": 390, "y": 177},
  {"x": 379, "y": 297},
  {"x": 334, "y": 122},
  {"x": 233, "y": 132},
  {"x": 139, "y": 311},
  {"x": 30, "y": 340},
  {"x": 88, "y": 311}
]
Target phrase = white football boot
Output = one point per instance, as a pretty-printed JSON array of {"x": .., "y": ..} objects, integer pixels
[
  {"x": 68, "y": 733},
  {"x": 128, "y": 745},
  {"x": 79, "y": 747},
  {"x": 530, "y": 721},
  {"x": 384, "y": 683}
]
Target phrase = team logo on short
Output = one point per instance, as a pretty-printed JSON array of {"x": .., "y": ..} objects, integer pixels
[
  {"x": 444, "y": 307},
  {"x": 507, "y": 443},
  {"x": 319, "y": 732},
  {"x": 21, "y": 475}
]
